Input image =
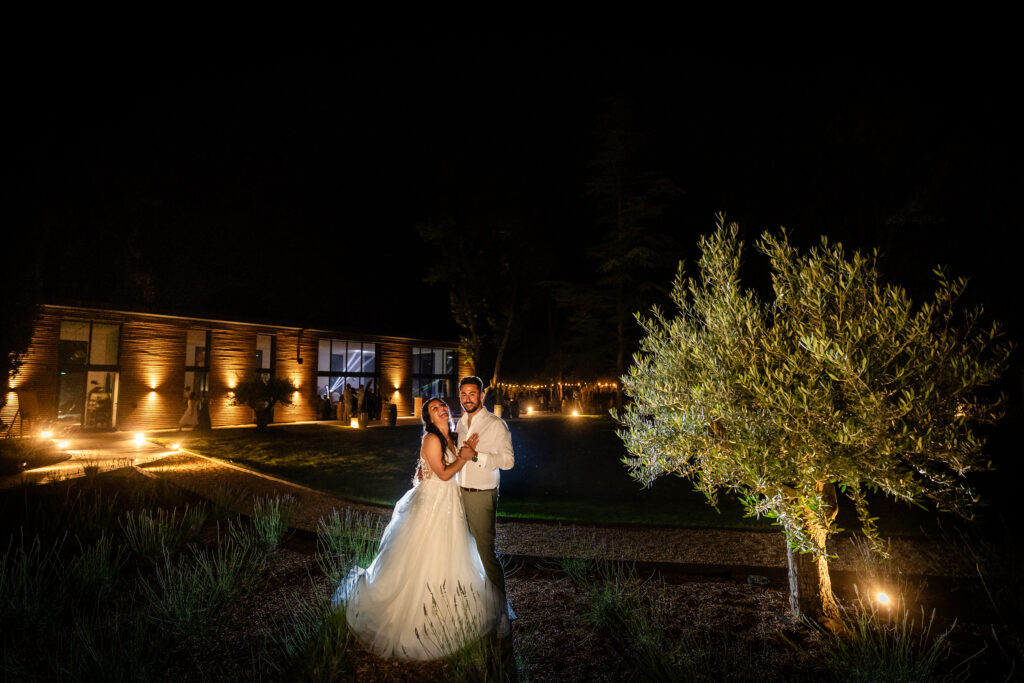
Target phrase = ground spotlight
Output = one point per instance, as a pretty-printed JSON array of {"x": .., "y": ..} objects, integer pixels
[
  {"x": 882, "y": 598},
  {"x": 140, "y": 438}
]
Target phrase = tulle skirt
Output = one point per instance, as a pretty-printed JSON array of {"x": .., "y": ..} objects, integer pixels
[{"x": 426, "y": 594}]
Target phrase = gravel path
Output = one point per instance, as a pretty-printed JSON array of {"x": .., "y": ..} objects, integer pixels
[{"x": 235, "y": 487}]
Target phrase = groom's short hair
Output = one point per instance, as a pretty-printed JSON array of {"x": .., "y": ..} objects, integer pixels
[{"x": 472, "y": 379}]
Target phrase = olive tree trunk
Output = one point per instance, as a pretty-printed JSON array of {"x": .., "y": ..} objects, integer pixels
[
  {"x": 810, "y": 586},
  {"x": 263, "y": 417}
]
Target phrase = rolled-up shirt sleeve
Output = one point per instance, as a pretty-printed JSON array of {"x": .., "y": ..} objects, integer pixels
[{"x": 494, "y": 452}]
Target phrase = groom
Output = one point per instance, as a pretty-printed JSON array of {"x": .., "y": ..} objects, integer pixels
[{"x": 479, "y": 480}]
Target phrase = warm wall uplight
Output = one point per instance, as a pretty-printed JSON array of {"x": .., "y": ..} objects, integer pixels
[
  {"x": 140, "y": 439},
  {"x": 176, "y": 447},
  {"x": 883, "y": 599},
  {"x": 529, "y": 411},
  {"x": 64, "y": 445},
  {"x": 575, "y": 413},
  {"x": 47, "y": 434},
  {"x": 354, "y": 423}
]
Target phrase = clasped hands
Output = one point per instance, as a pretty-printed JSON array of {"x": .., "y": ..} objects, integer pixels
[{"x": 468, "y": 449}]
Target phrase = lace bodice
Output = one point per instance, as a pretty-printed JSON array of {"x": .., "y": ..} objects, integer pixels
[{"x": 427, "y": 471}]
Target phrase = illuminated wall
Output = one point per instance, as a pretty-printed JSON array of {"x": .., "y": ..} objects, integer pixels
[
  {"x": 38, "y": 372},
  {"x": 394, "y": 362},
  {"x": 152, "y": 379}
]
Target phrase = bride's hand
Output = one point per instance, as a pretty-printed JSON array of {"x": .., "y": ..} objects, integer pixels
[{"x": 469, "y": 445}]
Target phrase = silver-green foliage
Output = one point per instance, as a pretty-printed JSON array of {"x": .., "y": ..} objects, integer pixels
[
  {"x": 890, "y": 645},
  {"x": 188, "y": 593},
  {"x": 149, "y": 534},
  {"x": 315, "y": 643},
  {"x": 346, "y": 540},
  {"x": 270, "y": 519},
  {"x": 32, "y": 586},
  {"x": 840, "y": 378},
  {"x": 94, "y": 571}
]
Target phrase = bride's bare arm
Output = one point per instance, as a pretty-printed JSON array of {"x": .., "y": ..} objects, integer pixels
[{"x": 431, "y": 452}]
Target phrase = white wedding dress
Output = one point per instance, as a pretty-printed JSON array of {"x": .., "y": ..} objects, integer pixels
[{"x": 426, "y": 594}]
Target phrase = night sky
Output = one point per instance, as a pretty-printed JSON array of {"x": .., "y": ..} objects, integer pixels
[{"x": 283, "y": 182}]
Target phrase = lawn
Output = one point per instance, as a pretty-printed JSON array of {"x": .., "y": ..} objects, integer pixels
[{"x": 567, "y": 469}]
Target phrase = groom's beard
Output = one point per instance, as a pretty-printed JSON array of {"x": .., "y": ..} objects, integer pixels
[{"x": 472, "y": 407}]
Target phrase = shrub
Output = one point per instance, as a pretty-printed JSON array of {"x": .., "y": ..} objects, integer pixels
[
  {"x": 151, "y": 534},
  {"x": 93, "y": 572},
  {"x": 270, "y": 518},
  {"x": 315, "y": 641},
  {"x": 32, "y": 587},
  {"x": 187, "y": 594},
  {"x": 889, "y": 645},
  {"x": 109, "y": 646},
  {"x": 346, "y": 540}
]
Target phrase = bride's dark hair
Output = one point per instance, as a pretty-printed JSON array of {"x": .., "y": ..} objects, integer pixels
[{"x": 430, "y": 428}]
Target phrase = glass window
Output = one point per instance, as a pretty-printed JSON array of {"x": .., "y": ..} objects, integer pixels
[
  {"x": 433, "y": 371},
  {"x": 195, "y": 348},
  {"x": 323, "y": 356},
  {"x": 355, "y": 360},
  {"x": 338, "y": 356},
  {"x": 197, "y": 362},
  {"x": 344, "y": 362},
  {"x": 101, "y": 400},
  {"x": 73, "y": 348},
  {"x": 104, "y": 344},
  {"x": 264, "y": 352},
  {"x": 87, "y": 358},
  {"x": 71, "y": 398}
]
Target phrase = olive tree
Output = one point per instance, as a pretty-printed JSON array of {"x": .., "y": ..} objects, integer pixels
[
  {"x": 261, "y": 393},
  {"x": 838, "y": 382}
]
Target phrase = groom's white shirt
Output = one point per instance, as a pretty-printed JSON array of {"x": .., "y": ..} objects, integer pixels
[{"x": 494, "y": 450}]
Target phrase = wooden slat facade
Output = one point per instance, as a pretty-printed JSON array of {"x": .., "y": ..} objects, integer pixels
[{"x": 151, "y": 359}]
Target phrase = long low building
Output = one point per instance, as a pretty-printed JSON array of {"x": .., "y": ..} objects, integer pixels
[{"x": 102, "y": 369}]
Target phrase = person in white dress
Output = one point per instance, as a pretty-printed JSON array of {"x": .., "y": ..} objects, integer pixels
[
  {"x": 426, "y": 594},
  {"x": 191, "y": 416}
]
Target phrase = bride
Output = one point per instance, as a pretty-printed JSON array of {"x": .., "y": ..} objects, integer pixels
[{"x": 426, "y": 594}]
